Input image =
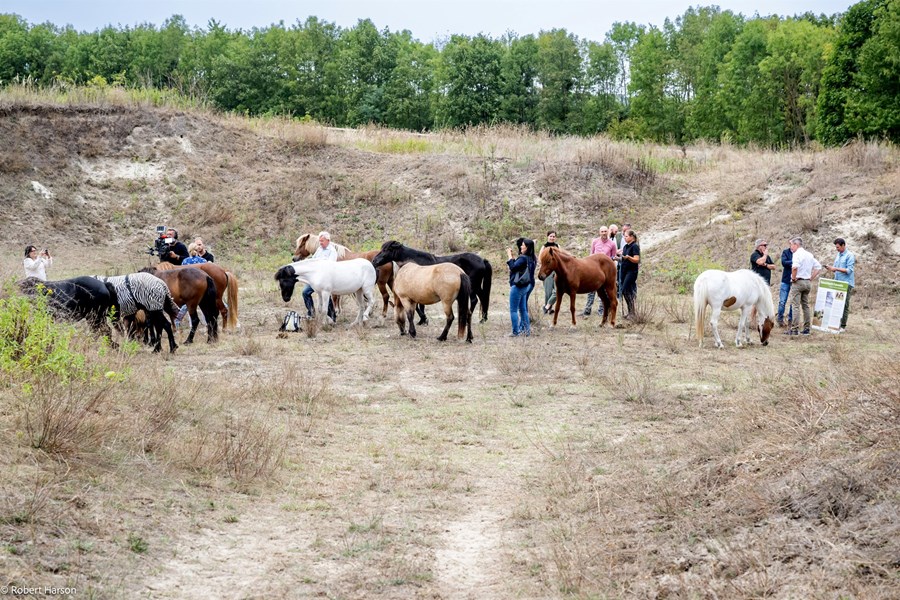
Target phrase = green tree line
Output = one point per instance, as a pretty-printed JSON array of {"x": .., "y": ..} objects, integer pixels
[{"x": 708, "y": 75}]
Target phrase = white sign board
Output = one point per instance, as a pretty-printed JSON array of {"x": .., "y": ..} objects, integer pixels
[{"x": 830, "y": 300}]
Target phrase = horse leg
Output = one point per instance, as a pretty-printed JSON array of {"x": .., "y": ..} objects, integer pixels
[
  {"x": 556, "y": 308},
  {"x": 613, "y": 304},
  {"x": 167, "y": 327},
  {"x": 369, "y": 297},
  {"x": 399, "y": 315},
  {"x": 411, "y": 318},
  {"x": 743, "y": 327},
  {"x": 385, "y": 298},
  {"x": 423, "y": 319},
  {"x": 572, "y": 295},
  {"x": 448, "y": 312},
  {"x": 714, "y": 325},
  {"x": 195, "y": 321}
]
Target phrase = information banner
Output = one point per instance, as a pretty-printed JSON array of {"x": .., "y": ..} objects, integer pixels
[{"x": 830, "y": 300}]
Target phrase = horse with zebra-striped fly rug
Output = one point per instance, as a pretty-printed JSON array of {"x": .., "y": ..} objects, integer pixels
[{"x": 144, "y": 292}]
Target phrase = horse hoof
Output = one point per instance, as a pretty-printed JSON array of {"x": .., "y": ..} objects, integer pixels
[{"x": 441, "y": 338}]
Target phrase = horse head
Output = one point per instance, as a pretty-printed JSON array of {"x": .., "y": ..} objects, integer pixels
[
  {"x": 765, "y": 328},
  {"x": 548, "y": 261},
  {"x": 300, "y": 249},
  {"x": 287, "y": 279},
  {"x": 390, "y": 252}
]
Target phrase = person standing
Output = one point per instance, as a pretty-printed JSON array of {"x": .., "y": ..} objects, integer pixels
[
  {"x": 601, "y": 245},
  {"x": 177, "y": 251},
  {"x": 804, "y": 269},
  {"x": 631, "y": 258},
  {"x": 520, "y": 287},
  {"x": 760, "y": 261},
  {"x": 194, "y": 258},
  {"x": 844, "y": 270},
  {"x": 36, "y": 263},
  {"x": 550, "y": 280},
  {"x": 202, "y": 252},
  {"x": 787, "y": 257},
  {"x": 625, "y": 228},
  {"x": 325, "y": 251}
]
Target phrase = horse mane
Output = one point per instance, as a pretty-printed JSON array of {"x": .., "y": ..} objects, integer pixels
[{"x": 765, "y": 298}]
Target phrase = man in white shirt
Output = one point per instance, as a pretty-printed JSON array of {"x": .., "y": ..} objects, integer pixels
[
  {"x": 804, "y": 269},
  {"x": 325, "y": 251}
]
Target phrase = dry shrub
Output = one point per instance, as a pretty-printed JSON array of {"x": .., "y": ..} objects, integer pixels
[
  {"x": 66, "y": 418},
  {"x": 646, "y": 312},
  {"x": 238, "y": 444},
  {"x": 13, "y": 162},
  {"x": 867, "y": 156},
  {"x": 680, "y": 309}
]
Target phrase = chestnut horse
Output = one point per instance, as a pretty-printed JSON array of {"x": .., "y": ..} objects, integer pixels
[
  {"x": 428, "y": 284},
  {"x": 594, "y": 273},
  {"x": 306, "y": 245},
  {"x": 194, "y": 288},
  {"x": 225, "y": 282}
]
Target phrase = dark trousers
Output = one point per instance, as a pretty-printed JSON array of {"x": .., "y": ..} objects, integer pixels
[{"x": 310, "y": 308}]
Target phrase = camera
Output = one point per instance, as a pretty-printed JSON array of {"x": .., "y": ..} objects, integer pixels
[{"x": 160, "y": 246}]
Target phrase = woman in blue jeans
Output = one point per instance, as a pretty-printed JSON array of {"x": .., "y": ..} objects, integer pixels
[{"x": 520, "y": 287}]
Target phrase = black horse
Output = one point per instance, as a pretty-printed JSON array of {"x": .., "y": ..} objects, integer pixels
[
  {"x": 478, "y": 269},
  {"x": 76, "y": 299}
]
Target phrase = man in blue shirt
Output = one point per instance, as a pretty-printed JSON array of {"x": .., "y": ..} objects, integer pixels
[
  {"x": 787, "y": 257},
  {"x": 843, "y": 269}
]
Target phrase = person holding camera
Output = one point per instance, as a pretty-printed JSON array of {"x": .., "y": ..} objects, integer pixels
[
  {"x": 36, "y": 263},
  {"x": 176, "y": 252}
]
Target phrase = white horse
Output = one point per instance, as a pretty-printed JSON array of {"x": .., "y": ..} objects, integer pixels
[
  {"x": 356, "y": 277},
  {"x": 742, "y": 290}
]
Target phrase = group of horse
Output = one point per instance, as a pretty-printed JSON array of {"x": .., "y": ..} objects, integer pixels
[
  {"x": 417, "y": 278},
  {"x": 141, "y": 302},
  {"x": 146, "y": 302}
]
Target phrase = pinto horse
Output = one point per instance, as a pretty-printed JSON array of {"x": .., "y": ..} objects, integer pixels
[
  {"x": 478, "y": 270},
  {"x": 194, "y": 288},
  {"x": 226, "y": 283},
  {"x": 741, "y": 290},
  {"x": 355, "y": 276},
  {"x": 594, "y": 273},
  {"x": 428, "y": 284},
  {"x": 76, "y": 299},
  {"x": 307, "y": 244}
]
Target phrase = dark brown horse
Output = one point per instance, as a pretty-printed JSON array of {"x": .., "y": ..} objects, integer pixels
[
  {"x": 306, "y": 245},
  {"x": 196, "y": 289},
  {"x": 595, "y": 273},
  {"x": 225, "y": 282}
]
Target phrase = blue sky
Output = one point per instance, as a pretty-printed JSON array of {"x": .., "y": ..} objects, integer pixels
[{"x": 428, "y": 20}]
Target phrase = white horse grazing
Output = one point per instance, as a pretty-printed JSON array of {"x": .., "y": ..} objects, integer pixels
[
  {"x": 742, "y": 290},
  {"x": 356, "y": 277}
]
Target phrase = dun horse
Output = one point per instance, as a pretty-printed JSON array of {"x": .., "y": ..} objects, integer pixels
[
  {"x": 417, "y": 284},
  {"x": 595, "y": 273},
  {"x": 306, "y": 245},
  {"x": 478, "y": 269},
  {"x": 226, "y": 283},
  {"x": 194, "y": 288},
  {"x": 737, "y": 290}
]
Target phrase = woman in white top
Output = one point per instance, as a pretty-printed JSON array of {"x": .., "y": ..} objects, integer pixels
[{"x": 35, "y": 264}]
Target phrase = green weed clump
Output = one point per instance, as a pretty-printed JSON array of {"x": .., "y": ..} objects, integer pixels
[
  {"x": 32, "y": 345},
  {"x": 682, "y": 271}
]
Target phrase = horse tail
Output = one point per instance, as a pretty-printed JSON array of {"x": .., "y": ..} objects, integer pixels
[
  {"x": 700, "y": 301},
  {"x": 208, "y": 301},
  {"x": 113, "y": 300},
  {"x": 486, "y": 288},
  {"x": 232, "y": 290},
  {"x": 462, "y": 303}
]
